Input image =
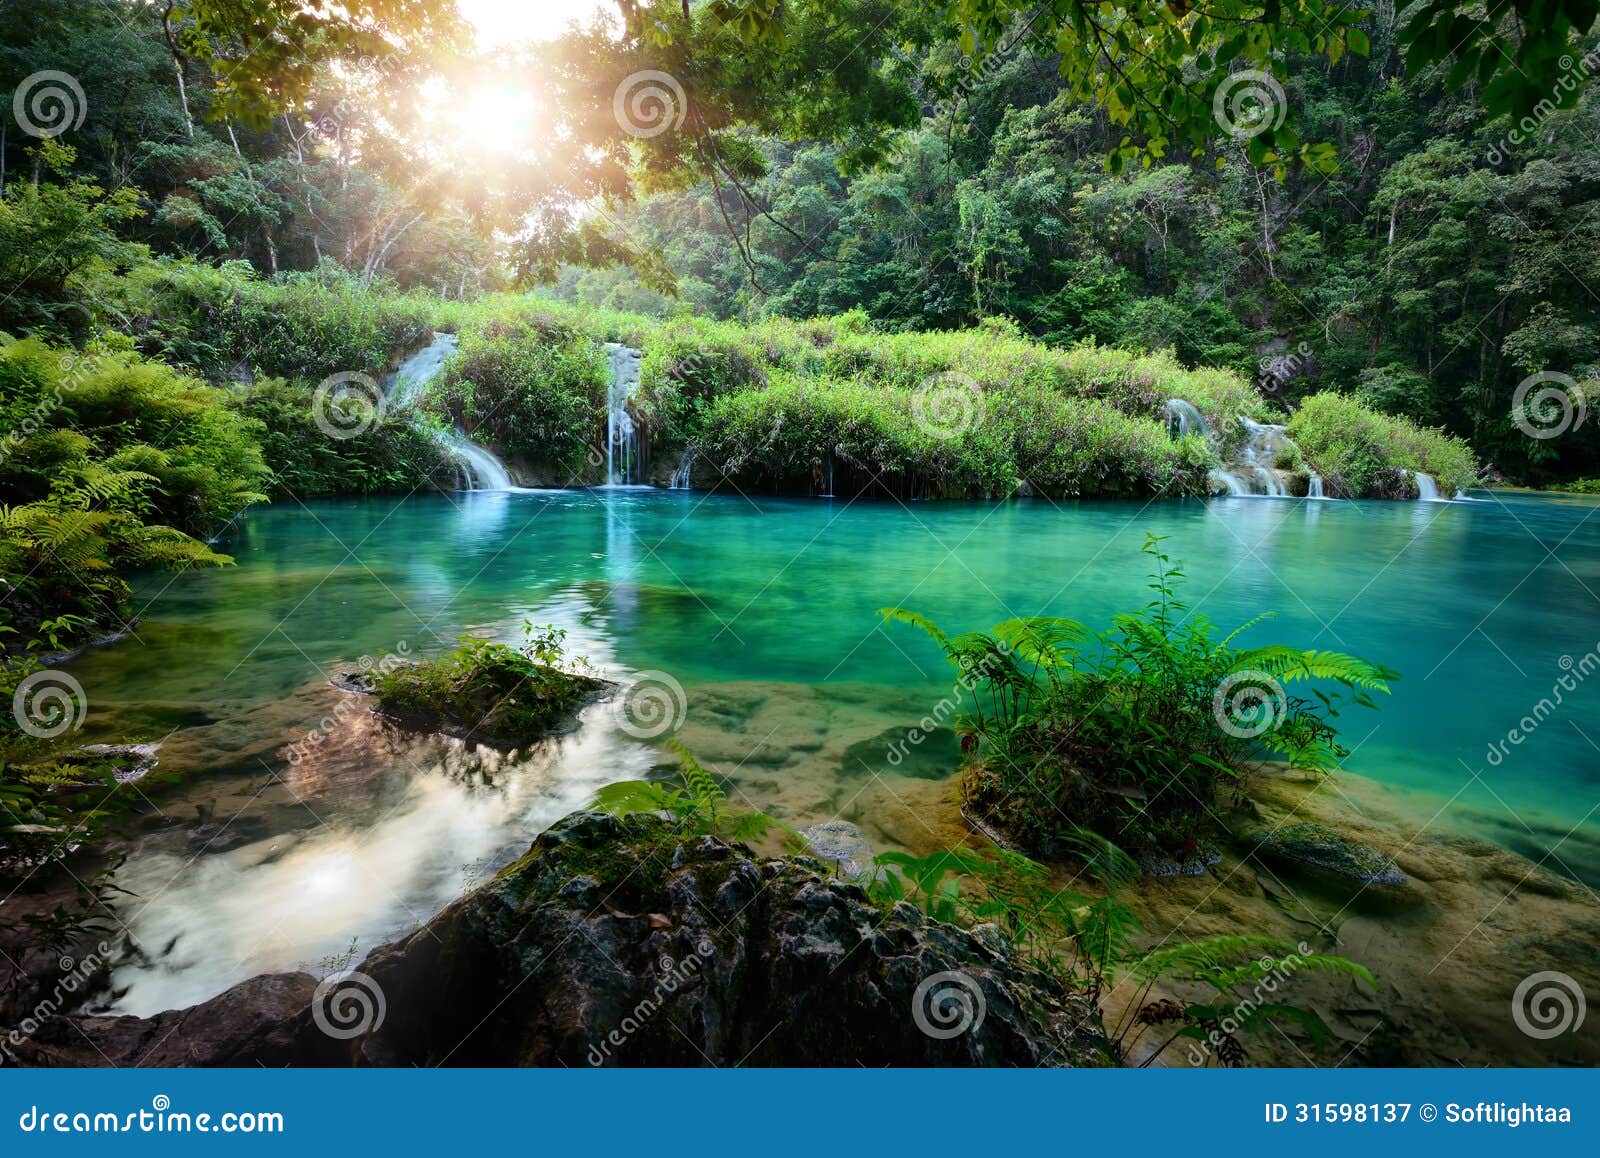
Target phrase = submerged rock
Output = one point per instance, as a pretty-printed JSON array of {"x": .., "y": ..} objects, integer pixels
[
  {"x": 1162, "y": 866},
  {"x": 628, "y": 942},
  {"x": 1318, "y": 853},
  {"x": 843, "y": 844},
  {"x": 128, "y": 763},
  {"x": 358, "y": 681}
]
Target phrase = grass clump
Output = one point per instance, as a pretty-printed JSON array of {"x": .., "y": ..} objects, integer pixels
[
  {"x": 531, "y": 384},
  {"x": 491, "y": 693},
  {"x": 1362, "y": 453},
  {"x": 1133, "y": 732},
  {"x": 225, "y": 321}
]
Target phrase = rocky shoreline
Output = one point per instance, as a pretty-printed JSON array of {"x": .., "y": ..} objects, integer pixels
[{"x": 629, "y": 942}]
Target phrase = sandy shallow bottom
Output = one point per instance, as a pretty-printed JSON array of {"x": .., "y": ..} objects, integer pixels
[{"x": 1477, "y": 921}]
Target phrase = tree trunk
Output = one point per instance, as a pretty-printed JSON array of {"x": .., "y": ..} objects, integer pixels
[{"x": 177, "y": 67}]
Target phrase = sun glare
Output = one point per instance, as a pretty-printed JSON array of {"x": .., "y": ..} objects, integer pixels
[{"x": 500, "y": 23}]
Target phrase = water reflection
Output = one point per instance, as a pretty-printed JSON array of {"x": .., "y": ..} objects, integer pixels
[{"x": 363, "y": 845}]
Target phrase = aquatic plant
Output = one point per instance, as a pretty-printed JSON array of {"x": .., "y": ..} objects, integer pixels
[
  {"x": 699, "y": 805},
  {"x": 1132, "y": 731}
]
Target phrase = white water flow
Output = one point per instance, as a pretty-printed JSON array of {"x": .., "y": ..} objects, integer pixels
[
  {"x": 1427, "y": 488},
  {"x": 623, "y": 467},
  {"x": 680, "y": 473},
  {"x": 1254, "y": 469},
  {"x": 482, "y": 471}
]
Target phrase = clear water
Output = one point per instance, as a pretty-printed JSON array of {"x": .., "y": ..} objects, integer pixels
[{"x": 765, "y": 611}]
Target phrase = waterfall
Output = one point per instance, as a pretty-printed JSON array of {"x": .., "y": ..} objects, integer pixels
[
  {"x": 1230, "y": 482},
  {"x": 420, "y": 369},
  {"x": 1427, "y": 488},
  {"x": 1254, "y": 468},
  {"x": 680, "y": 473},
  {"x": 1261, "y": 452},
  {"x": 622, "y": 457},
  {"x": 1183, "y": 418},
  {"x": 483, "y": 472}
]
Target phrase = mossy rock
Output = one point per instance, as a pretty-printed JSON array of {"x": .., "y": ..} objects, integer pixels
[
  {"x": 486, "y": 693},
  {"x": 1356, "y": 873}
]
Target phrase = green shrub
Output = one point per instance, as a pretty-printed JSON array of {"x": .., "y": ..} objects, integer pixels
[
  {"x": 109, "y": 463},
  {"x": 225, "y": 322},
  {"x": 395, "y": 456},
  {"x": 885, "y": 439},
  {"x": 1131, "y": 732},
  {"x": 1362, "y": 453},
  {"x": 487, "y": 692},
  {"x": 531, "y": 385}
]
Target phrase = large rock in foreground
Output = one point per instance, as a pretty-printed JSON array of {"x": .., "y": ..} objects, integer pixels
[{"x": 626, "y": 942}]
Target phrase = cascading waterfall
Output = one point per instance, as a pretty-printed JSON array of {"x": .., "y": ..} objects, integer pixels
[
  {"x": 1254, "y": 469},
  {"x": 484, "y": 471},
  {"x": 481, "y": 470},
  {"x": 680, "y": 473},
  {"x": 1427, "y": 488},
  {"x": 1184, "y": 418},
  {"x": 1261, "y": 452},
  {"x": 622, "y": 445}
]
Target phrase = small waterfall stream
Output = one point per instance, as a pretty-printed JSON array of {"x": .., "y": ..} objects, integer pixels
[
  {"x": 680, "y": 473},
  {"x": 623, "y": 467},
  {"x": 481, "y": 470},
  {"x": 1254, "y": 469},
  {"x": 1427, "y": 488}
]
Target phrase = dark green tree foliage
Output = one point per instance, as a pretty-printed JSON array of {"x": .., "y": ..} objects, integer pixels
[{"x": 1445, "y": 258}]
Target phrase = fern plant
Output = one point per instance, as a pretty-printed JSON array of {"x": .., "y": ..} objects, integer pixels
[
  {"x": 1085, "y": 939},
  {"x": 1240, "y": 977},
  {"x": 699, "y": 805},
  {"x": 1131, "y": 731}
]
